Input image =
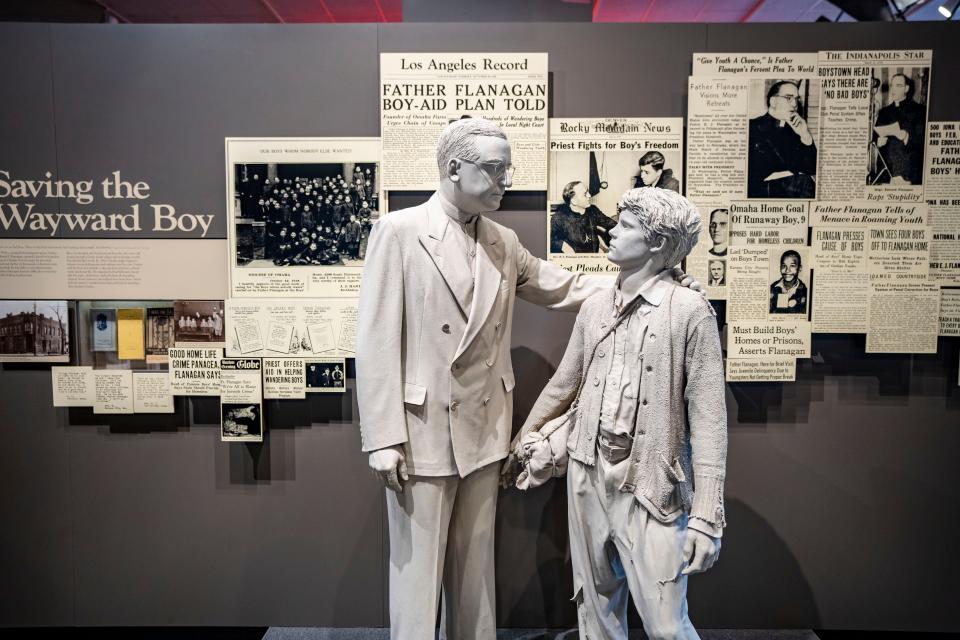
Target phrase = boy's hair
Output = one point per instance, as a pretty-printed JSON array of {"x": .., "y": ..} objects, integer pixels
[
  {"x": 654, "y": 158},
  {"x": 790, "y": 253},
  {"x": 667, "y": 214},
  {"x": 457, "y": 140}
]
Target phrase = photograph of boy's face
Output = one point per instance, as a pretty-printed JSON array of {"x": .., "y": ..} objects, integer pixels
[{"x": 789, "y": 269}]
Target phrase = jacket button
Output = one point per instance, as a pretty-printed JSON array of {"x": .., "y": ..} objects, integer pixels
[
  {"x": 601, "y": 353},
  {"x": 454, "y": 406},
  {"x": 596, "y": 382},
  {"x": 489, "y": 362},
  {"x": 499, "y": 324},
  {"x": 445, "y": 328},
  {"x": 644, "y": 402},
  {"x": 649, "y": 368},
  {"x": 652, "y": 337},
  {"x": 486, "y": 400}
]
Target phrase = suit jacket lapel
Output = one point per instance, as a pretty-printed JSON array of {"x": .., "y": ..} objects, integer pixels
[
  {"x": 489, "y": 277},
  {"x": 447, "y": 255}
]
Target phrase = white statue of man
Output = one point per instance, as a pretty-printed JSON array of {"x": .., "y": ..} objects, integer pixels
[
  {"x": 435, "y": 379},
  {"x": 647, "y": 454}
]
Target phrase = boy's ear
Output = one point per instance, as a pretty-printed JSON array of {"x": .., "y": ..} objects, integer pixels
[{"x": 659, "y": 246}]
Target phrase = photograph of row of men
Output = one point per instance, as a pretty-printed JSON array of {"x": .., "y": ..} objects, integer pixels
[{"x": 304, "y": 214}]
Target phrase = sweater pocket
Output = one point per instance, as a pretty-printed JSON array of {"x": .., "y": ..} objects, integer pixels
[{"x": 663, "y": 486}]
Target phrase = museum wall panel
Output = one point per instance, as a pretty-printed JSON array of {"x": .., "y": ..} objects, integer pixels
[{"x": 840, "y": 486}]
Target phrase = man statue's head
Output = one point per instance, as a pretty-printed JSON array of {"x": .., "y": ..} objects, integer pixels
[
  {"x": 473, "y": 157},
  {"x": 655, "y": 225},
  {"x": 651, "y": 168}
]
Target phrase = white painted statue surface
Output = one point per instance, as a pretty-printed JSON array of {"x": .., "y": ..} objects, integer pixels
[
  {"x": 435, "y": 379},
  {"x": 647, "y": 447}
]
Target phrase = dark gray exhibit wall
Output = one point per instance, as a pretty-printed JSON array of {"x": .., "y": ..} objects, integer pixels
[{"x": 841, "y": 486}]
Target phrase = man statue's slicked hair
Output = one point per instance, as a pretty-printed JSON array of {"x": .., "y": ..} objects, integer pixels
[
  {"x": 664, "y": 213},
  {"x": 456, "y": 140}
]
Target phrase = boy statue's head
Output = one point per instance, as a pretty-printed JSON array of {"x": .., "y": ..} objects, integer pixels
[{"x": 657, "y": 227}]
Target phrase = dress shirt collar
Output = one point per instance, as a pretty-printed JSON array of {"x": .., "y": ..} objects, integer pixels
[
  {"x": 452, "y": 212},
  {"x": 652, "y": 290}
]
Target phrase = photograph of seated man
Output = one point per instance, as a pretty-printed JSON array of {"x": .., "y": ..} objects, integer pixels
[
  {"x": 782, "y": 156},
  {"x": 577, "y": 226}
]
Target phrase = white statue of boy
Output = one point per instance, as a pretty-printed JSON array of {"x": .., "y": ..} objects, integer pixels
[{"x": 648, "y": 449}]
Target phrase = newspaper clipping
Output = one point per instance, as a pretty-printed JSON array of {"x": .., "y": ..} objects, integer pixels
[
  {"x": 300, "y": 214},
  {"x": 843, "y": 280},
  {"x": 874, "y": 123},
  {"x": 753, "y": 126},
  {"x": 942, "y": 192},
  {"x": 305, "y": 329},
  {"x": 283, "y": 379},
  {"x": 768, "y": 369},
  {"x": 707, "y": 262},
  {"x": 593, "y": 161},
  {"x": 420, "y": 93},
  {"x": 241, "y": 400},
  {"x": 326, "y": 376},
  {"x": 194, "y": 371},
  {"x": 949, "y": 312}
]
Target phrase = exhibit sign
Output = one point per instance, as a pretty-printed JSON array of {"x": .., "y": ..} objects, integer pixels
[
  {"x": 420, "y": 93},
  {"x": 592, "y": 162},
  {"x": 300, "y": 212},
  {"x": 105, "y": 237}
]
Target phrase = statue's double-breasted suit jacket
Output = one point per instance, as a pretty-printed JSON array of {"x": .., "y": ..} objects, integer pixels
[
  {"x": 433, "y": 358},
  {"x": 434, "y": 377}
]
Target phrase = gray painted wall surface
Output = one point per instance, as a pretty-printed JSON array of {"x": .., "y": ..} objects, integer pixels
[{"x": 841, "y": 487}]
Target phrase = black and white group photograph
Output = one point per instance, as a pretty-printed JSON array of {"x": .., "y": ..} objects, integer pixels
[
  {"x": 782, "y": 138},
  {"x": 790, "y": 272},
  {"x": 586, "y": 187},
  {"x": 898, "y": 111},
  {"x": 198, "y": 321},
  {"x": 240, "y": 421},
  {"x": 34, "y": 331},
  {"x": 304, "y": 214},
  {"x": 325, "y": 376}
]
